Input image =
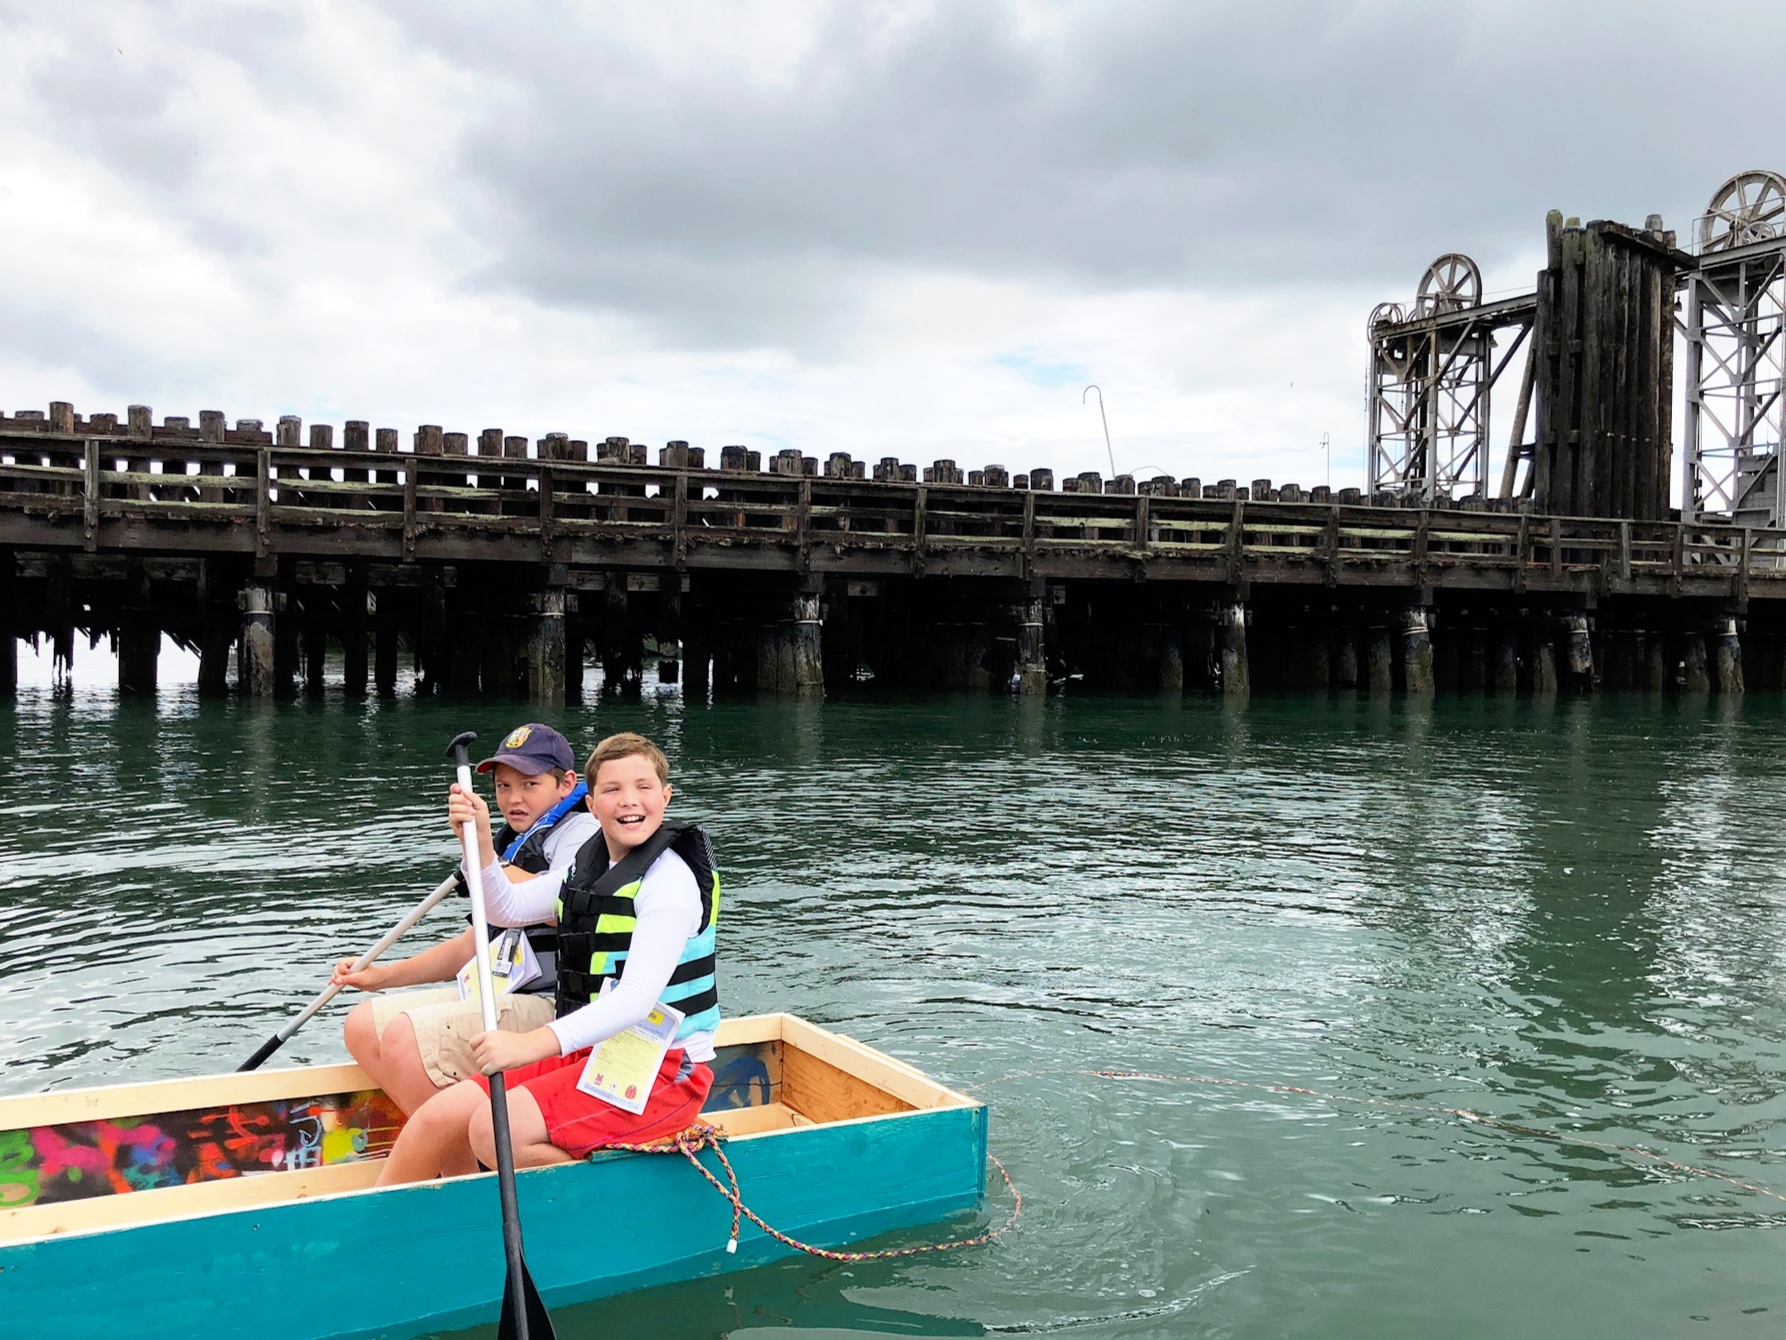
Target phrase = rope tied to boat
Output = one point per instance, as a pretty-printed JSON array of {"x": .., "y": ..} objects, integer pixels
[{"x": 690, "y": 1142}]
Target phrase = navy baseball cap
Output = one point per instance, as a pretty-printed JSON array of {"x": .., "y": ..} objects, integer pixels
[{"x": 532, "y": 749}]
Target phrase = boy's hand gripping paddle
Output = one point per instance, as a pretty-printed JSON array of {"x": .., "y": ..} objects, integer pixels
[{"x": 524, "y": 1315}]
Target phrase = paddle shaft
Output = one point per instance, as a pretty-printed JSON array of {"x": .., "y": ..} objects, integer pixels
[
  {"x": 499, "y": 1108},
  {"x": 365, "y": 960}
]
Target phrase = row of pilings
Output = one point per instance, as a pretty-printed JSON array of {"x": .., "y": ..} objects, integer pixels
[{"x": 474, "y": 630}]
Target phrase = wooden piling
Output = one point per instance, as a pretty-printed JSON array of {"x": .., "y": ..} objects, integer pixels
[
  {"x": 355, "y": 635},
  {"x": 316, "y": 648},
  {"x": 621, "y": 653},
  {"x": 1503, "y": 678},
  {"x": 502, "y": 659},
  {"x": 1618, "y": 659},
  {"x": 1653, "y": 663},
  {"x": 1417, "y": 654},
  {"x": 354, "y": 648},
  {"x": 1446, "y": 639},
  {"x": 546, "y": 650},
  {"x": 216, "y": 642},
  {"x": 1695, "y": 672},
  {"x": 807, "y": 647},
  {"x": 1728, "y": 659},
  {"x": 1579, "y": 648},
  {"x": 384, "y": 660},
  {"x": 1379, "y": 663},
  {"x": 255, "y": 648},
  {"x": 1318, "y": 673},
  {"x": 139, "y": 651},
  {"x": 1473, "y": 665},
  {"x": 139, "y": 635},
  {"x": 1544, "y": 662},
  {"x": 1236, "y": 671},
  {"x": 1170, "y": 660},
  {"x": 1032, "y": 662},
  {"x": 697, "y": 666},
  {"x": 1345, "y": 660}
]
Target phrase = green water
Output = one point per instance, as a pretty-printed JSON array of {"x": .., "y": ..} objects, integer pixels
[{"x": 1568, "y": 917}]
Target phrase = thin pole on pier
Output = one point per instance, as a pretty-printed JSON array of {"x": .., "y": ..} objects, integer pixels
[{"x": 1105, "y": 420}]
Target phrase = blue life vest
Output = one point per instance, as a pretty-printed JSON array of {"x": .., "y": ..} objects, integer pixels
[{"x": 528, "y": 851}]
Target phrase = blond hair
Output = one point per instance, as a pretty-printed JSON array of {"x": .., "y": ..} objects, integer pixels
[{"x": 627, "y": 745}]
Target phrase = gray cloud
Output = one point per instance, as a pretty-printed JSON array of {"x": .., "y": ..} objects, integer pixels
[
  {"x": 1215, "y": 147},
  {"x": 150, "y": 112}
]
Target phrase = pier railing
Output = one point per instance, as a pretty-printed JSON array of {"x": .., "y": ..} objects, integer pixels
[{"x": 184, "y": 497}]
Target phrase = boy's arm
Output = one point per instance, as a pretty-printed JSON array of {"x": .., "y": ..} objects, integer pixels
[
  {"x": 439, "y": 964},
  {"x": 519, "y": 902}
]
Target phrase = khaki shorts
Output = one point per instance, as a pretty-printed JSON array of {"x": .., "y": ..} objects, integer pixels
[{"x": 445, "y": 1025}]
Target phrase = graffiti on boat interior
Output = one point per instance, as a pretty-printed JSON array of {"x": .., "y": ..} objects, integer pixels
[
  {"x": 745, "y": 1075},
  {"x": 78, "y": 1160}
]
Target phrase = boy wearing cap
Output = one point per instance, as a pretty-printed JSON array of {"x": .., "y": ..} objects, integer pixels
[{"x": 417, "y": 1042}]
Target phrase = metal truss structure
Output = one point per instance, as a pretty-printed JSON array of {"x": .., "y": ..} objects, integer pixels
[
  {"x": 1432, "y": 368},
  {"x": 1736, "y": 355}
]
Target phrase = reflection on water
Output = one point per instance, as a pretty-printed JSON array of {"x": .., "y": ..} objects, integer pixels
[{"x": 1566, "y": 916}]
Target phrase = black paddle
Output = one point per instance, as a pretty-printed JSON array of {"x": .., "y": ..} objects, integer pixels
[
  {"x": 524, "y": 1315},
  {"x": 329, "y": 993}
]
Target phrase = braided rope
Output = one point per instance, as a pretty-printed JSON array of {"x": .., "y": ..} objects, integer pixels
[
  {"x": 691, "y": 1141},
  {"x": 1637, "y": 1152}
]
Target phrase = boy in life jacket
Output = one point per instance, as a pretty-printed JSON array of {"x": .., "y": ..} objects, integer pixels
[
  {"x": 415, "y": 1043},
  {"x": 635, "y": 916}
]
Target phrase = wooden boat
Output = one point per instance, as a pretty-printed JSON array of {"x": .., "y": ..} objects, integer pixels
[{"x": 243, "y": 1204}]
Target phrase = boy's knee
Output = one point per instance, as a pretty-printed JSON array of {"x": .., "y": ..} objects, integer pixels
[
  {"x": 483, "y": 1136},
  {"x": 450, "y": 1110},
  {"x": 360, "y": 1033}
]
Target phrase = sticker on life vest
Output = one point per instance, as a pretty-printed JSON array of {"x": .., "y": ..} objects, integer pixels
[
  {"x": 512, "y": 966},
  {"x": 622, "y": 1070}
]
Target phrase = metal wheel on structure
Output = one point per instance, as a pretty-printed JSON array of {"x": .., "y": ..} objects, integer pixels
[
  {"x": 1397, "y": 355},
  {"x": 1750, "y": 207},
  {"x": 1385, "y": 314},
  {"x": 1450, "y": 284}
]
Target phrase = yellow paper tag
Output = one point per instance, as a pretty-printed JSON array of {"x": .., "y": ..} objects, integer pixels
[
  {"x": 510, "y": 956},
  {"x": 622, "y": 1070}
]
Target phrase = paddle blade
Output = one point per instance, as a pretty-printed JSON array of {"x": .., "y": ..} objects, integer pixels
[{"x": 538, "y": 1320}]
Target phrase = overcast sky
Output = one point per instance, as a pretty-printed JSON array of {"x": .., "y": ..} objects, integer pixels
[{"x": 910, "y": 229}]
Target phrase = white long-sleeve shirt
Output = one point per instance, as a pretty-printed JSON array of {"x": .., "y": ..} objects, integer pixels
[{"x": 668, "y": 908}]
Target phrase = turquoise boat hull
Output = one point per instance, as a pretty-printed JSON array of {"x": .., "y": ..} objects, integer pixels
[{"x": 413, "y": 1260}]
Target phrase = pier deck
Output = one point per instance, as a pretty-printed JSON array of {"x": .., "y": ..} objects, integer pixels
[{"x": 819, "y": 573}]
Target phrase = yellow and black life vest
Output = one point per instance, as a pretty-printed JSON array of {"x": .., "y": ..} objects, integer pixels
[{"x": 596, "y": 917}]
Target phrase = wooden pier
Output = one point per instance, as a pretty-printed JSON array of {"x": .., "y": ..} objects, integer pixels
[{"x": 502, "y": 566}]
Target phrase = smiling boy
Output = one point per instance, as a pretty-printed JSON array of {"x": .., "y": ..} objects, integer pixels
[
  {"x": 636, "y": 917},
  {"x": 415, "y": 1043}
]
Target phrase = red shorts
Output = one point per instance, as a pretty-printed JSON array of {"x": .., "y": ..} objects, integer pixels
[{"x": 578, "y": 1123}]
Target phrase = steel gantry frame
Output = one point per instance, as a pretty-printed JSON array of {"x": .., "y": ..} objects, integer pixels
[
  {"x": 1735, "y": 333},
  {"x": 1432, "y": 372}
]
